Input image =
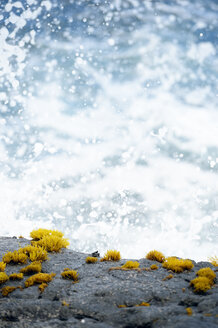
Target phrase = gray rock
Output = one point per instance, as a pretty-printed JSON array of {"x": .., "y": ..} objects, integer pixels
[{"x": 94, "y": 301}]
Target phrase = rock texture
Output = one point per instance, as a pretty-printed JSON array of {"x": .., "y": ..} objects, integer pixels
[{"x": 94, "y": 301}]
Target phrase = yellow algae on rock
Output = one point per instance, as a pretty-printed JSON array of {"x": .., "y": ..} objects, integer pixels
[
  {"x": 189, "y": 310},
  {"x": 153, "y": 267},
  {"x": 208, "y": 273},
  {"x": 52, "y": 243},
  {"x": 91, "y": 259},
  {"x": 15, "y": 257},
  {"x": 70, "y": 274},
  {"x": 35, "y": 253},
  {"x": 16, "y": 276},
  {"x": 111, "y": 255},
  {"x": 41, "y": 233},
  {"x": 143, "y": 304},
  {"x": 39, "y": 278},
  {"x": 170, "y": 276},
  {"x": 7, "y": 290},
  {"x": 155, "y": 256},
  {"x": 177, "y": 265},
  {"x": 213, "y": 260},
  {"x": 34, "y": 267},
  {"x": 130, "y": 265},
  {"x": 3, "y": 277},
  {"x": 201, "y": 284},
  {"x": 2, "y": 266},
  {"x": 42, "y": 287}
]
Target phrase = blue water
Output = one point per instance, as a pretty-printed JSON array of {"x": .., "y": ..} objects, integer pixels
[{"x": 109, "y": 123}]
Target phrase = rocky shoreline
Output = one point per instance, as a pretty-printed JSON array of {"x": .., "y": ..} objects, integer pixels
[{"x": 104, "y": 298}]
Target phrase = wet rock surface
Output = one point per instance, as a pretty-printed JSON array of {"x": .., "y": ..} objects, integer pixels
[{"x": 94, "y": 301}]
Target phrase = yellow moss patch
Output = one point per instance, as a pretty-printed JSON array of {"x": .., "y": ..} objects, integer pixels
[
  {"x": 15, "y": 257},
  {"x": 111, "y": 255},
  {"x": 42, "y": 287},
  {"x": 91, "y": 259},
  {"x": 70, "y": 274},
  {"x": 16, "y": 276},
  {"x": 153, "y": 267},
  {"x": 35, "y": 253},
  {"x": 39, "y": 278},
  {"x": 52, "y": 243},
  {"x": 208, "y": 273},
  {"x": 7, "y": 290},
  {"x": 143, "y": 304},
  {"x": 34, "y": 267},
  {"x": 189, "y": 310},
  {"x": 177, "y": 265},
  {"x": 155, "y": 256},
  {"x": 201, "y": 284},
  {"x": 170, "y": 276},
  {"x": 213, "y": 260},
  {"x": 2, "y": 266},
  {"x": 131, "y": 265},
  {"x": 41, "y": 233},
  {"x": 3, "y": 277}
]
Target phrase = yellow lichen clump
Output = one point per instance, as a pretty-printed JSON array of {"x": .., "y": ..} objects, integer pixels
[
  {"x": 201, "y": 284},
  {"x": 91, "y": 259},
  {"x": 111, "y": 255},
  {"x": 42, "y": 287},
  {"x": 189, "y": 310},
  {"x": 155, "y": 256},
  {"x": 34, "y": 267},
  {"x": 70, "y": 274},
  {"x": 3, "y": 277},
  {"x": 52, "y": 243},
  {"x": 35, "y": 253},
  {"x": 7, "y": 290},
  {"x": 170, "y": 276},
  {"x": 41, "y": 233},
  {"x": 2, "y": 266},
  {"x": 16, "y": 276},
  {"x": 143, "y": 304},
  {"x": 130, "y": 265},
  {"x": 153, "y": 267},
  {"x": 177, "y": 265},
  {"x": 15, "y": 257},
  {"x": 121, "y": 306},
  {"x": 39, "y": 278},
  {"x": 64, "y": 303},
  {"x": 208, "y": 273},
  {"x": 213, "y": 260}
]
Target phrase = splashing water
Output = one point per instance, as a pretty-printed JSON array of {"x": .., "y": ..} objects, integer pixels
[{"x": 109, "y": 123}]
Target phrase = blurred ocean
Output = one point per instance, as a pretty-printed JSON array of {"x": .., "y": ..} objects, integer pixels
[{"x": 109, "y": 123}]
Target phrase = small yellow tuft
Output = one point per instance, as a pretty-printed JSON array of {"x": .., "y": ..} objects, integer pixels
[
  {"x": 16, "y": 276},
  {"x": 143, "y": 304},
  {"x": 155, "y": 256},
  {"x": 35, "y": 253},
  {"x": 91, "y": 259},
  {"x": 213, "y": 260},
  {"x": 42, "y": 287},
  {"x": 189, "y": 310},
  {"x": 3, "y": 277},
  {"x": 201, "y": 284},
  {"x": 41, "y": 233},
  {"x": 170, "y": 276},
  {"x": 2, "y": 266},
  {"x": 34, "y": 267},
  {"x": 111, "y": 255},
  {"x": 64, "y": 303},
  {"x": 20, "y": 237},
  {"x": 7, "y": 290},
  {"x": 70, "y": 274},
  {"x": 153, "y": 267},
  {"x": 15, "y": 257},
  {"x": 39, "y": 278},
  {"x": 177, "y": 265},
  {"x": 52, "y": 243},
  {"x": 208, "y": 273},
  {"x": 121, "y": 306},
  {"x": 131, "y": 265}
]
